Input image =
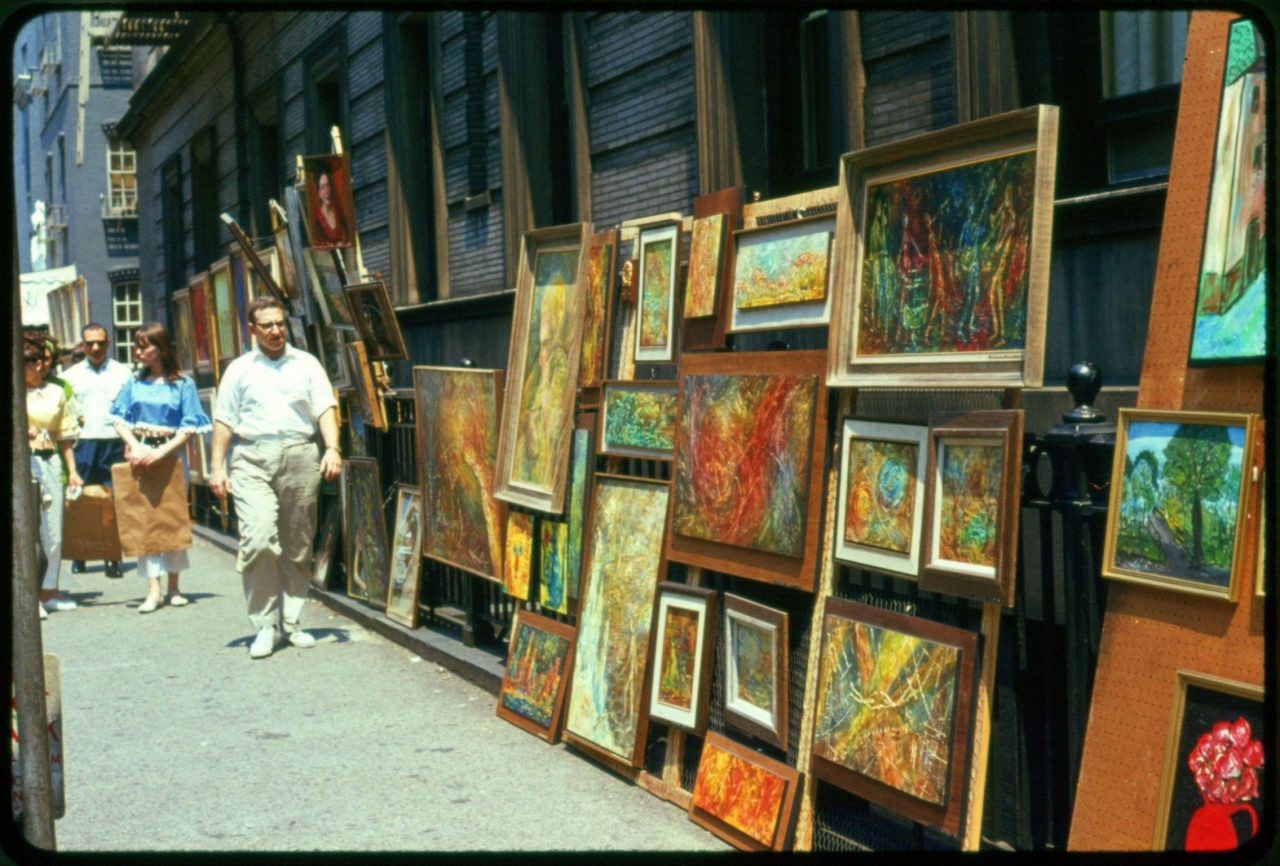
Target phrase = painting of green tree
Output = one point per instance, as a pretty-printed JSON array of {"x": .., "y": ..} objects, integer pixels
[{"x": 1179, "y": 500}]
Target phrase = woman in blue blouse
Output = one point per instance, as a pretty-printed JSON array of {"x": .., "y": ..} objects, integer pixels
[{"x": 156, "y": 412}]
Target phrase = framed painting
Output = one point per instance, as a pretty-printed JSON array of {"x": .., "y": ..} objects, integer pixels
[
  {"x": 406, "y": 557},
  {"x": 659, "y": 257},
  {"x": 240, "y": 283},
  {"x": 1211, "y": 793},
  {"x": 597, "y": 315},
  {"x": 941, "y": 256},
  {"x": 682, "y": 644},
  {"x": 880, "y": 501},
  {"x": 376, "y": 321},
  {"x": 706, "y": 261},
  {"x": 1231, "y": 296},
  {"x": 257, "y": 275},
  {"x": 1180, "y": 489},
  {"x": 709, "y": 279},
  {"x": 755, "y": 670},
  {"x": 1259, "y": 572},
  {"x": 326, "y": 545},
  {"x": 457, "y": 441},
  {"x": 183, "y": 339},
  {"x": 639, "y": 419},
  {"x": 202, "y": 342},
  {"x": 892, "y": 723},
  {"x": 297, "y": 333},
  {"x": 331, "y": 209},
  {"x": 607, "y": 714},
  {"x": 517, "y": 563},
  {"x": 534, "y": 682},
  {"x": 364, "y": 528},
  {"x": 560, "y": 541},
  {"x": 781, "y": 277},
  {"x": 546, "y": 339},
  {"x": 284, "y": 255},
  {"x": 973, "y": 480},
  {"x": 326, "y": 288},
  {"x": 368, "y": 397},
  {"x": 331, "y": 350},
  {"x": 743, "y": 797},
  {"x": 747, "y": 477},
  {"x": 203, "y": 442},
  {"x": 226, "y": 333}
]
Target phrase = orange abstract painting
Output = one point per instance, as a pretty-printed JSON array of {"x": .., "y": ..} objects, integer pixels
[{"x": 745, "y": 796}]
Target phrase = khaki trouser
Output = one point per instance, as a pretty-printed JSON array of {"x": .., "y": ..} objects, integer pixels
[{"x": 274, "y": 487}]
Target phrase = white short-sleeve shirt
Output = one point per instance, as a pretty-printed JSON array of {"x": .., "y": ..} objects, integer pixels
[
  {"x": 262, "y": 398},
  {"x": 96, "y": 389}
]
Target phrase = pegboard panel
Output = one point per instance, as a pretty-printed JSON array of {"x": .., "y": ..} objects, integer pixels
[{"x": 1150, "y": 633}]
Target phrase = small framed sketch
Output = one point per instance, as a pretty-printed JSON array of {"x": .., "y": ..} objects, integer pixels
[
  {"x": 534, "y": 683},
  {"x": 1211, "y": 789},
  {"x": 406, "y": 557},
  {"x": 781, "y": 277},
  {"x": 681, "y": 651},
  {"x": 375, "y": 320},
  {"x": 326, "y": 288},
  {"x": 326, "y": 545},
  {"x": 639, "y": 419},
  {"x": 1180, "y": 489},
  {"x": 743, "y": 797},
  {"x": 972, "y": 486},
  {"x": 659, "y": 257},
  {"x": 364, "y": 529},
  {"x": 880, "y": 503},
  {"x": 755, "y": 670}
]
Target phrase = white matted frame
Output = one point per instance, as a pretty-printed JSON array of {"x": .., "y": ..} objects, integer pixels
[
  {"x": 743, "y": 615},
  {"x": 668, "y": 233},
  {"x": 804, "y": 314},
  {"x": 679, "y": 598}
]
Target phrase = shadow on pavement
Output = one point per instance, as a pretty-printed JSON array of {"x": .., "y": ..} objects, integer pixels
[{"x": 339, "y": 635}]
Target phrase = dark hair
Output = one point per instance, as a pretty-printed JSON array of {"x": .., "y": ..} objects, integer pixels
[
  {"x": 262, "y": 302},
  {"x": 94, "y": 326},
  {"x": 154, "y": 334},
  {"x": 33, "y": 348}
]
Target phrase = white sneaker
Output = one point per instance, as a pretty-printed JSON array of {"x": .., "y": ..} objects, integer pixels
[
  {"x": 44, "y": 614},
  {"x": 264, "y": 644},
  {"x": 57, "y": 604},
  {"x": 301, "y": 639}
]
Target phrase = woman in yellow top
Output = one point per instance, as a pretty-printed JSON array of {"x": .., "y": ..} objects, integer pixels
[{"x": 52, "y": 425}]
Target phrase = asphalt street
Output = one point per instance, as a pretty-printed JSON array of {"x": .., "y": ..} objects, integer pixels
[{"x": 175, "y": 740}]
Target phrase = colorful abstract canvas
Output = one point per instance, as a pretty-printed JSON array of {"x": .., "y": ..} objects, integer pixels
[
  {"x": 676, "y": 658},
  {"x": 754, "y": 669},
  {"x": 968, "y": 506},
  {"x": 1231, "y": 299},
  {"x": 748, "y": 794},
  {"x": 457, "y": 418},
  {"x": 561, "y": 547},
  {"x": 683, "y": 645},
  {"x": 364, "y": 530},
  {"x": 553, "y": 553},
  {"x": 595, "y": 314},
  {"x": 533, "y": 685},
  {"x": 880, "y": 503},
  {"x": 624, "y": 563},
  {"x": 200, "y": 324},
  {"x": 406, "y": 557},
  {"x": 517, "y": 567},
  {"x": 742, "y": 460},
  {"x": 706, "y": 251},
  {"x": 659, "y": 251},
  {"x": 224, "y": 307},
  {"x": 781, "y": 265},
  {"x": 639, "y": 419}
]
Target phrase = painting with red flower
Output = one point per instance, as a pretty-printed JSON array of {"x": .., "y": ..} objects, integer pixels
[
  {"x": 1211, "y": 790},
  {"x": 742, "y": 796}
]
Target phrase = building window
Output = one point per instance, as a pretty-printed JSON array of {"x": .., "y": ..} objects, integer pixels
[
  {"x": 326, "y": 103},
  {"x": 264, "y": 142},
  {"x": 171, "y": 217},
  {"x": 122, "y": 179},
  {"x": 126, "y": 309},
  {"x": 62, "y": 168},
  {"x": 815, "y": 90},
  {"x": 1141, "y": 50},
  {"x": 204, "y": 198}
]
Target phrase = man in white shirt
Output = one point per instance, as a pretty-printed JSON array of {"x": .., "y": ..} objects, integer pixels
[
  {"x": 97, "y": 381},
  {"x": 272, "y": 399}
]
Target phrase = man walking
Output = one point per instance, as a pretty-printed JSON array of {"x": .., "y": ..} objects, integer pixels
[
  {"x": 272, "y": 400},
  {"x": 97, "y": 381}
]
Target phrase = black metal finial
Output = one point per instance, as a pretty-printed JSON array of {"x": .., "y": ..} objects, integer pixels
[
  {"x": 1084, "y": 381},
  {"x": 466, "y": 362}
]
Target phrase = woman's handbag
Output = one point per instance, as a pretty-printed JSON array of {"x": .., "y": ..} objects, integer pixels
[{"x": 151, "y": 510}]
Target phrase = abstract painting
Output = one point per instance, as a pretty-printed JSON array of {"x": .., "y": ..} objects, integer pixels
[
  {"x": 639, "y": 419},
  {"x": 183, "y": 339},
  {"x": 517, "y": 565},
  {"x": 743, "y": 797},
  {"x": 684, "y": 639},
  {"x": 202, "y": 344},
  {"x": 624, "y": 563},
  {"x": 240, "y": 282},
  {"x": 659, "y": 257},
  {"x": 364, "y": 529},
  {"x": 755, "y": 669},
  {"x": 376, "y": 321},
  {"x": 880, "y": 503},
  {"x": 1211, "y": 790},
  {"x": 706, "y": 253},
  {"x": 1179, "y": 492},
  {"x": 538, "y": 665},
  {"x": 1231, "y": 298},
  {"x": 970, "y": 493},
  {"x": 892, "y": 689},
  {"x": 553, "y": 544},
  {"x": 784, "y": 264},
  {"x": 406, "y": 557},
  {"x": 457, "y": 426},
  {"x": 598, "y": 309},
  {"x": 225, "y": 331}
]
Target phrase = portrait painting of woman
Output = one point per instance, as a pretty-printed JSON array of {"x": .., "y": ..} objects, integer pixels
[{"x": 330, "y": 206}]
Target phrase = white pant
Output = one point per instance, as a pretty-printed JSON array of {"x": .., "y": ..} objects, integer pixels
[
  {"x": 157, "y": 565},
  {"x": 48, "y": 474}
]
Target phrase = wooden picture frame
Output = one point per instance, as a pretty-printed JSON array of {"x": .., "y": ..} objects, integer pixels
[
  {"x": 456, "y": 412},
  {"x": 518, "y": 548},
  {"x": 183, "y": 337},
  {"x": 561, "y": 542},
  {"x": 1197, "y": 807},
  {"x": 224, "y": 321},
  {"x": 254, "y": 259},
  {"x": 535, "y": 679},
  {"x": 658, "y": 254},
  {"x": 331, "y": 350},
  {"x": 762, "y": 250},
  {"x": 883, "y": 467},
  {"x": 288, "y": 266},
  {"x": 542, "y": 367},
  {"x": 203, "y": 344},
  {"x": 340, "y": 229},
  {"x": 203, "y": 442},
  {"x": 597, "y": 315},
  {"x": 682, "y": 648},
  {"x": 639, "y": 419},
  {"x": 326, "y": 545},
  {"x": 406, "y": 557},
  {"x": 1128, "y": 554},
  {"x": 890, "y": 332},
  {"x": 930, "y": 705},
  {"x": 974, "y": 469},
  {"x": 707, "y": 332},
  {"x": 754, "y": 670},
  {"x": 375, "y": 320},
  {"x": 325, "y": 279},
  {"x": 745, "y": 798},
  {"x": 298, "y": 334},
  {"x": 708, "y": 374},
  {"x": 607, "y": 715},
  {"x": 368, "y": 397},
  {"x": 364, "y": 530},
  {"x": 240, "y": 280}
]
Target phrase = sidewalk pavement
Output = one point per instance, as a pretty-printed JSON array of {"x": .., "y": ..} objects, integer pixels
[{"x": 175, "y": 740}]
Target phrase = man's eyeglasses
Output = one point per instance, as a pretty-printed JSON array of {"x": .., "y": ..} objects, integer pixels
[
  {"x": 88, "y": 343},
  {"x": 271, "y": 326}
]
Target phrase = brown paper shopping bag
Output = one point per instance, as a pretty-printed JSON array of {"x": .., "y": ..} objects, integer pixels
[
  {"x": 151, "y": 511},
  {"x": 89, "y": 526}
]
